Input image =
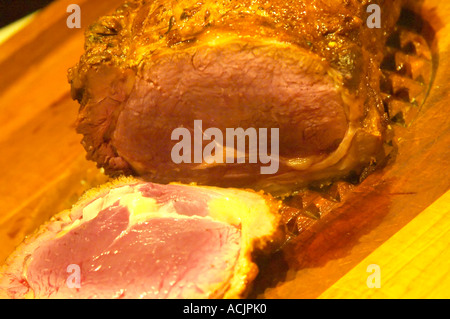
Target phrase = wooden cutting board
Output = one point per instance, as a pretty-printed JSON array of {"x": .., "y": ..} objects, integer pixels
[{"x": 397, "y": 219}]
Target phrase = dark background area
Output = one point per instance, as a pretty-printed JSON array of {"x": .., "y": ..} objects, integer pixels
[{"x": 12, "y": 10}]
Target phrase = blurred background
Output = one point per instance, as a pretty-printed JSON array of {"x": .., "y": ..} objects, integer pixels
[{"x": 13, "y": 10}]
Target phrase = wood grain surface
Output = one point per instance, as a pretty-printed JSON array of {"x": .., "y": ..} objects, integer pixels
[
  {"x": 43, "y": 168},
  {"x": 414, "y": 263},
  {"x": 389, "y": 220}
]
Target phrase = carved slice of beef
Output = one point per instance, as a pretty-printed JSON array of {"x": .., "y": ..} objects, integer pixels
[
  {"x": 308, "y": 68},
  {"x": 144, "y": 240}
]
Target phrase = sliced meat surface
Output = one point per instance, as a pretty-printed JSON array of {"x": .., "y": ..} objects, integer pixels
[
  {"x": 159, "y": 258},
  {"x": 132, "y": 241}
]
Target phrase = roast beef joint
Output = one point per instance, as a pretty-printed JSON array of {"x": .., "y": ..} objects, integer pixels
[{"x": 309, "y": 69}]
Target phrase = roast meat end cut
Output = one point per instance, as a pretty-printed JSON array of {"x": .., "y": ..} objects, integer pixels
[{"x": 142, "y": 240}]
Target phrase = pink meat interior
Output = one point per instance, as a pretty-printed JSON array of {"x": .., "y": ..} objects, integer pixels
[
  {"x": 164, "y": 257},
  {"x": 227, "y": 89},
  {"x": 224, "y": 86}
]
